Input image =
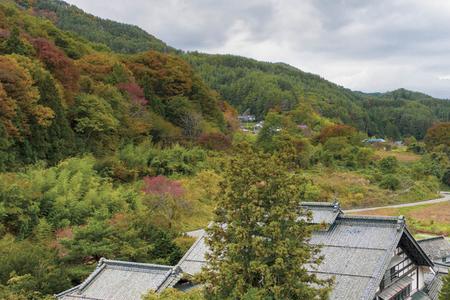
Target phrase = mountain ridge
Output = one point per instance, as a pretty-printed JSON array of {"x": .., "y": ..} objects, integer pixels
[
  {"x": 258, "y": 87},
  {"x": 119, "y": 37}
]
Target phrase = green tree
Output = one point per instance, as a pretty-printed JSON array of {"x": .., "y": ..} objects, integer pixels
[
  {"x": 438, "y": 134},
  {"x": 56, "y": 141},
  {"x": 390, "y": 182},
  {"x": 94, "y": 115},
  {"x": 95, "y": 123},
  {"x": 273, "y": 125},
  {"x": 35, "y": 262},
  {"x": 122, "y": 237},
  {"x": 14, "y": 43},
  {"x": 259, "y": 238},
  {"x": 389, "y": 164},
  {"x": 445, "y": 291}
]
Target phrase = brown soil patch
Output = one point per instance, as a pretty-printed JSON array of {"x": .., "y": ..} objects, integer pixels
[{"x": 437, "y": 212}]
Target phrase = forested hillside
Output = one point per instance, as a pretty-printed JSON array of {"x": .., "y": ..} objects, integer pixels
[
  {"x": 62, "y": 96},
  {"x": 258, "y": 87},
  {"x": 118, "y": 37}
]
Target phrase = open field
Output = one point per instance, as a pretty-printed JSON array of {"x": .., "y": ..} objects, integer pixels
[
  {"x": 402, "y": 156},
  {"x": 355, "y": 190},
  {"x": 424, "y": 219}
]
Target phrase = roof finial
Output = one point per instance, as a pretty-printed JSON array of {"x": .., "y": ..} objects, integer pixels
[
  {"x": 401, "y": 222},
  {"x": 101, "y": 261},
  {"x": 336, "y": 202}
]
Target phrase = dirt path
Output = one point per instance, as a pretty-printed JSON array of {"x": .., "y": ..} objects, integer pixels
[{"x": 445, "y": 197}]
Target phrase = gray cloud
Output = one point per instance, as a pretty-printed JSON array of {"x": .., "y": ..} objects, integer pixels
[{"x": 361, "y": 44}]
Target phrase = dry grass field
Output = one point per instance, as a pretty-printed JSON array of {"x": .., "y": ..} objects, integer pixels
[{"x": 402, "y": 156}]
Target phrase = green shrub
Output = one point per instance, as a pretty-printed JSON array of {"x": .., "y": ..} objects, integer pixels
[
  {"x": 388, "y": 164},
  {"x": 390, "y": 182}
]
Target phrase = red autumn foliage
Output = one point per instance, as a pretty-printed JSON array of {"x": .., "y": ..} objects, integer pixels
[
  {"x": 62, "y": 67},
  {"x": 4, "y": 33},
  {"x": 162, "y": 186},
  {"x": 48, "y": 14},
  {"x": 168, "y": 75},
  {"x": 231, "y": 116},
  {"x": 135, "y": 92},
  {"x": 214, "y": 141},
  {"x": 336, "y": 130}
]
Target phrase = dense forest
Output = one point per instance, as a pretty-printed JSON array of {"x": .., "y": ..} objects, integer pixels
[
  {"x": 259, "y": 86},
  {"x": 116, "y": 36},
  {"x": 64, "y": 97},
  {"x": 112, "y": 147}
]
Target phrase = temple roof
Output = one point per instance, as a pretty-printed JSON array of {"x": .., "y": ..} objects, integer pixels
[
  {"x": 121, "y": 280},
  {"x": 322, "y": 212},
  {"x": 436, "y": 247},
  {"x": 357, "y": 250}
]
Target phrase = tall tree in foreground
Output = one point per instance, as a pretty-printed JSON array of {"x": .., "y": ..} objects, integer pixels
[{"x": 259, "y": 245}]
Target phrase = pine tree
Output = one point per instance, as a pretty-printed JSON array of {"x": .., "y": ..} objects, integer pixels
[
  {"x": 57, "y": 141},
  {"x": 259, "y": 245}
]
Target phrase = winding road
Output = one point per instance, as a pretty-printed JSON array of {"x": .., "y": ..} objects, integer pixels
[{"x": 445, "y": 197}]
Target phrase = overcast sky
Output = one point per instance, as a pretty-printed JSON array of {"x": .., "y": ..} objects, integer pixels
[{"x": 377, "y": 45}]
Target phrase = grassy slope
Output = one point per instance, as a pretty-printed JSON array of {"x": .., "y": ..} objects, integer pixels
[{"x": 354, "y": 190}]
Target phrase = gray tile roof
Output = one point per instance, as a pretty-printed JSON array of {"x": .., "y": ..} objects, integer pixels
[
  {"x": 323, "y": 212},
  {"x": 435, "y": 286},
  {"x": 436, "y": 247},
  {"x": 114, "y": 280},
  {"x": 194, "y": 259},
  {"x": 357, "y": 250}
]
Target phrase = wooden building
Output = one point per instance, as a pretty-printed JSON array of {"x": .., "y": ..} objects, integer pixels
[{"x": 370, "y": 258}]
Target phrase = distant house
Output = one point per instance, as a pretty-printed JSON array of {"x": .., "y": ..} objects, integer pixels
[
  {"x": 374, "y": 141},
  {"x": 247, "y": 118},
  {"x": 258, "y": 126},
  {"x": 370, "y": 258}
]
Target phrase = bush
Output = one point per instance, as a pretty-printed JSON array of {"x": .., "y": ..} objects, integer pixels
[
  {"x": 438, "y": 134},
  {"x": 446, "y": 178},
  {"x": 417, "y": 147},
  {"x": 390, "y": 182},
  {"x": 336, "y": 130},
  {"x": 389, "y": 164},
  {"x": 214, "y": 141}
]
